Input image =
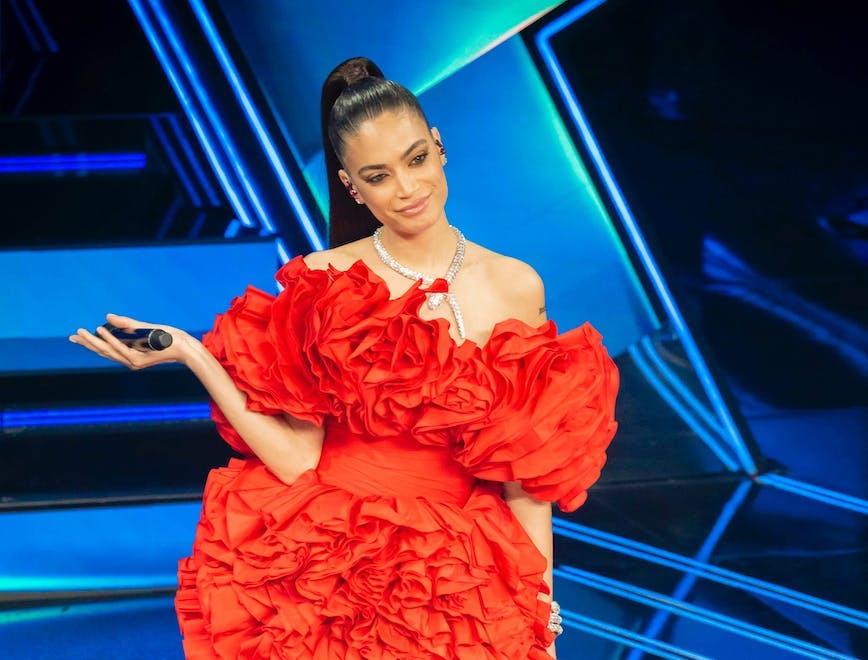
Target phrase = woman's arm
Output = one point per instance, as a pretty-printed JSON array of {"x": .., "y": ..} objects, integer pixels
[
  {"x": 528, "y": 295},
  {"x": 286, "y": 445},
  {"x": 536, "y": 518}
]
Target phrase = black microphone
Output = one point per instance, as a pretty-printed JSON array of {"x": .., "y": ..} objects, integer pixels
[{"x": 146, "y": 339}]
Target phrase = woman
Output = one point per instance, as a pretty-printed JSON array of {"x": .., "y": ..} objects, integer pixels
[{"x": 406, "y": 414}]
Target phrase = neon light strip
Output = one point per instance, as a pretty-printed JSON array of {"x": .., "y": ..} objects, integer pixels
[
  {"x": 627, "y": 637},
  {"x": 169, "y": 218},
  {"x": 190, "y": 111},
  {"x": 632, "y": 228},
  {"x": 679, "y": 386},
  {"x": 723, "y": 576},
  {"x": 72, "y": 162},
  {"x": 282, "y": 252},
  {"x": 34, "y": 76},
  {"x": 18, "y": 583},
  {"x": 58, "y": 417},
  {"x": 736, "y": 279},
  {"x": 814, "y": 492},
  {"x": 34, "y": 43},
  {"x": 685, "y": 584},
  {"x": 197, "y": 225},
  {"x": 213, "y": 116},
  {"x": 177, "y": 165},
  {"x": 37, "y": 17},
  {"x": 700, "y": 614},
  {"x": 193, "y": 159},
  {"x": 256, "y": 123},
  {"x": 710, "y": 441},
  {"x": 232, "y": 229}
]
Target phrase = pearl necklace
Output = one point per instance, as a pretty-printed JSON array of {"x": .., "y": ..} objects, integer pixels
[{"x": 434, "y": 299}]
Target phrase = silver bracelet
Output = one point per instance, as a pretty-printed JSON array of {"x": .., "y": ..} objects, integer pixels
[{"x": 555, "y": 619}]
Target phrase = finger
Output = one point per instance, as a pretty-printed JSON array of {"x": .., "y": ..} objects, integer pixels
[
  {"x": 82, "y": 339},
  {"x": 117, "y": 352},
  {"x": 129, "y": 354},
  {"x": 101, "y": 347},
  {"x": 124, "y": 321}
]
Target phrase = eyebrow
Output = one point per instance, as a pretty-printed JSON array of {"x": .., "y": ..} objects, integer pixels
[{"x": 381, "y": 166}]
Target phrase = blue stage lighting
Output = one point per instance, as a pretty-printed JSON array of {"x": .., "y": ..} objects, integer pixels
[
  {"x": 689, "y": 418},
  {"x": 818, "y": 493},
  {"x": 256, "y": 123},
  {"x": 193, "y": 159},
  {"x": 82, "y": 162},
  {"x": 685, "y": 584},
  {"x": 190, "y": 110},
  {"x": 177, "y": 166},
  {"x": 627, "y": 637},
  {"x": 689, "y": 611},
  {"x": 706, "y": 571},
  {"x": 104, "y": 415},
  {"x": 679, "y": 386},
  {"x": 214, "y": 117},
  {"x": 546, "y": 51}
]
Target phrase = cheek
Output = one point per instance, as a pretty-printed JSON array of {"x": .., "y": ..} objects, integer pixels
[
  {"x": 377, "y": 196},
  {"x": 442, "y": 186}
]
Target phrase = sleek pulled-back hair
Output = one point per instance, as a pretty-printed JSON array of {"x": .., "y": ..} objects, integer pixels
[
  {"x": 364, "y": 100},
  {"x": 355, "y": 92}
]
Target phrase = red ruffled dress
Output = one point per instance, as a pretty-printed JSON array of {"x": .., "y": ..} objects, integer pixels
[{"x": 398, "y": 544}]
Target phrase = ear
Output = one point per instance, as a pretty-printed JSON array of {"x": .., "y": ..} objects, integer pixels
[
  {"x": 345, "y": 179},
  {"x": 435, "y": 133}
]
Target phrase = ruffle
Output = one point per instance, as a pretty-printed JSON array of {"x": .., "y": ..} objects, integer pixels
[
  {"x": 372, "y": 354},
  {"x": 550, "y": 413},
  {"x": 254, "y": 342},
  {"x": 529, "y": 405},
  {"x": 313, "y": 571}
]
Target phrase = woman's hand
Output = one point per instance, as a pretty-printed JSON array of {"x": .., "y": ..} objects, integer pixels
[{"x": 111, "y": 348}]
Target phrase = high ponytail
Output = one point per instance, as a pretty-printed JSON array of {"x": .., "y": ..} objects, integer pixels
[
  {"x": 354, "y": 92},
  {"x": 347, "y": 220}
]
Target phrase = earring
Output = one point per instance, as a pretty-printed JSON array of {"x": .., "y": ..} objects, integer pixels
[
  {"x": 442, "y": 150},
  {"x": 353, "y": 192}
]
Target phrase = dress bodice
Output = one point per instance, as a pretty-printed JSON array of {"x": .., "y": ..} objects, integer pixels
[
  {"x": 396, "y": 465},
  {"x": 528, "y": 405}
]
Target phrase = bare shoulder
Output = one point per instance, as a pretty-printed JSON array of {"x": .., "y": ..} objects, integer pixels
[
  {"x": 507, "y": 272},
  {"x": 513, "y": 281},
  {"x": 341, "y": 257}
]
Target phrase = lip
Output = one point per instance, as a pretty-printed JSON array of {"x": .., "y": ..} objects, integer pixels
[{"x": 416, "y": 208}]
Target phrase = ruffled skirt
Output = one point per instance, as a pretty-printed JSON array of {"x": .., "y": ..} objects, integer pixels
[{"x": 314, "y": 571}]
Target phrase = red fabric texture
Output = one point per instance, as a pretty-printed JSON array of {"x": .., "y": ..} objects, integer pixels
[{"x": 398, "y": 544}]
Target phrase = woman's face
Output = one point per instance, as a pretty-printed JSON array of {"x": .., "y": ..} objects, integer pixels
[{"x": 397, "y": 170}]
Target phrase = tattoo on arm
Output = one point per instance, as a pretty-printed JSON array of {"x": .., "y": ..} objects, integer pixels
[{"x": 542, "y": 310}]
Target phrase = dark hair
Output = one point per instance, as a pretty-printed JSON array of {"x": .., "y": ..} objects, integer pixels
[{"x": 354, "y": 92}]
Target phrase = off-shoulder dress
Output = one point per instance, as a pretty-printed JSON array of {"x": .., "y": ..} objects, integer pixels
[{"x": 399, "y": 543}]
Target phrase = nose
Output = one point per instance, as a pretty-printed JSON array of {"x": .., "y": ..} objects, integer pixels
[{"x": 407, "y": 183}]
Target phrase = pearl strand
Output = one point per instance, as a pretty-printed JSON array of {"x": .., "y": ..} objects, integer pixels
[{"x": 434, "y": 299}]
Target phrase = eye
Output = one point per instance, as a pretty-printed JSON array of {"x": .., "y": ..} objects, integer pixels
[
  {"x": 418, "y": 160},
  {"x": 376, "y": 178}
]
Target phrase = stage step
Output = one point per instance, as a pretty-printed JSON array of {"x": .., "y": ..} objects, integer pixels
[{"x": 76, "y": 428}]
